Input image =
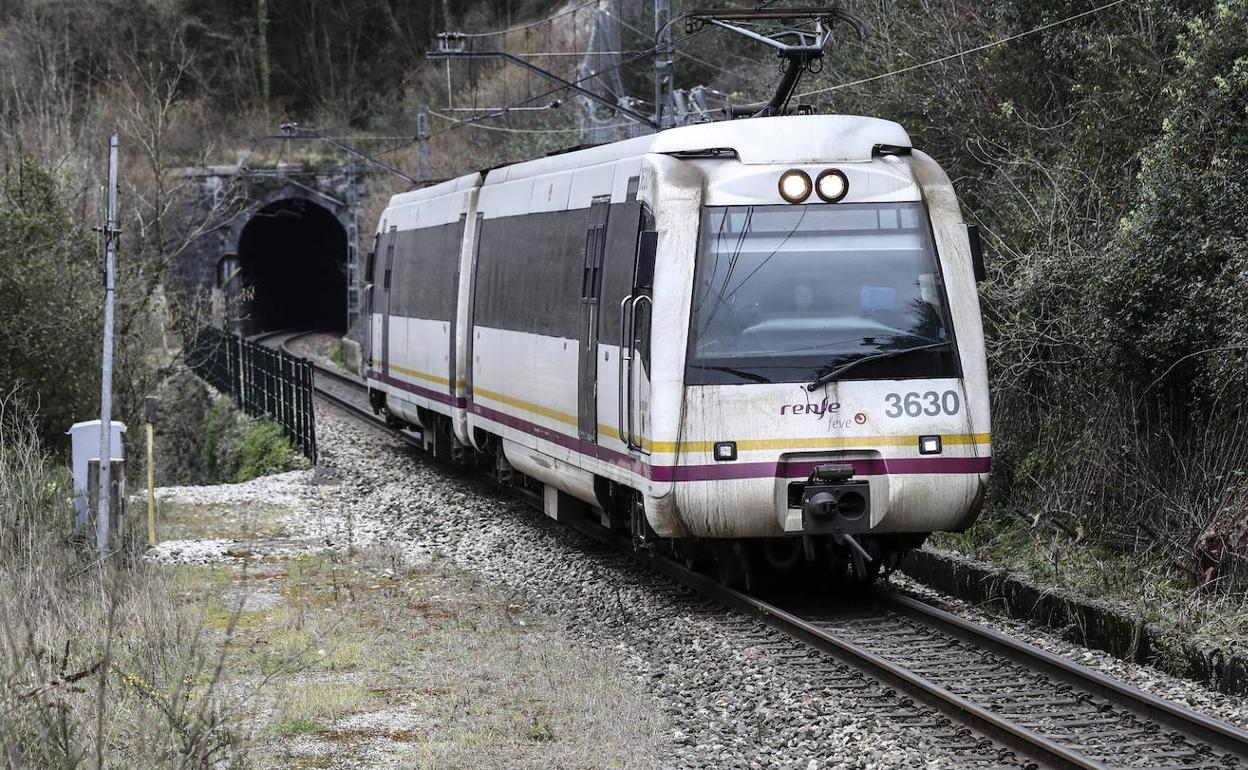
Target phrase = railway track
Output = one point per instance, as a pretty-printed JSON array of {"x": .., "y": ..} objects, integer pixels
[
  {"x": 1023, "y": 706},
  {"x": 340, "y": 388}
]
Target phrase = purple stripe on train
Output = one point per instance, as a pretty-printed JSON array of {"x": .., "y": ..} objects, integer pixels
[
  {"x": 720, "y": 471},
  {"x": 796, "y": 470},
  {"x": 626, "y": 462},
  {"x": 713, "y": 472},
  {"x": 432, "y": 395}
]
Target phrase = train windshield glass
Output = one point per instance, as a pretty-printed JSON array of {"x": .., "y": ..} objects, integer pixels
[{"x": 789, "y": 293}]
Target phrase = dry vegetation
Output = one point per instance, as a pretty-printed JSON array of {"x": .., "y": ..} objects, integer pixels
[
  {"x": 101, "y": 663},
  {"x": 307, "y": 659},
  {"x": 364, "y": 659}
]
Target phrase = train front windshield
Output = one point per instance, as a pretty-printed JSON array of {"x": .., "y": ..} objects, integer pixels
[{"x": 790, "y": 293}]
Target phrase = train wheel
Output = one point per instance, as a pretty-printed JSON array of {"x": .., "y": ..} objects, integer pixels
[
  {"x": 836, "y": 561},
  {"x": 733, "y": 565},
  {"x": 867, "y": 573},
  {"x": 696, "y": 556}
]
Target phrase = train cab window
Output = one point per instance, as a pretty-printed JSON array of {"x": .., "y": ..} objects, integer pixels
[{"x": 787, "y": 293}]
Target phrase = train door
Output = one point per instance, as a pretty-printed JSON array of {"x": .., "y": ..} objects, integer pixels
[
  {"x": 635, "y": 314},
  {"x": 384, "y": 305},
  {"x": 591, "y": 294}
]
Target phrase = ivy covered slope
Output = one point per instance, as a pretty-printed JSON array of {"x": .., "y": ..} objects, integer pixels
[
  {"x": 1175, "y": 296},
  {"x": 1105, "y": 156}
]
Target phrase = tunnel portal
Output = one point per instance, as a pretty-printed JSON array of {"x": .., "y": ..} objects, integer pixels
[{"x": 293, "y": 259}]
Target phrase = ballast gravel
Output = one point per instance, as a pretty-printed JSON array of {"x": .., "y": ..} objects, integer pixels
[
  {"x": 731, "y": 699},
  {"x": 734, "y": 694}
]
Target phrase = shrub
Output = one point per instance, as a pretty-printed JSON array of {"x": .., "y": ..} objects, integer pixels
[
  {"x": 49, "y": 320},
  {"x": 265, "y": 450},
  {"x": 101, "y": 664},
  {"x": 240, "y": 448}
]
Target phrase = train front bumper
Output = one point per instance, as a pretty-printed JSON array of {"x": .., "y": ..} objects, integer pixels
[{"x": 868, "y": 493}]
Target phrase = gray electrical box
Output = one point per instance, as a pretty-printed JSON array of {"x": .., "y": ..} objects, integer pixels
[{"x": 85, "y": 437}]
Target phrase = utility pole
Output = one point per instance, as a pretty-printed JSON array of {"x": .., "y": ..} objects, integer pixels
[
  {"x": 111, "y": 232},
  {"x": 262, "y": 52},
  {"x": 664, "y": 68}
]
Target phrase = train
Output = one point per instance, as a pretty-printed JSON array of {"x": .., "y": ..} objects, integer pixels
[{"x": 754, "y": 344}]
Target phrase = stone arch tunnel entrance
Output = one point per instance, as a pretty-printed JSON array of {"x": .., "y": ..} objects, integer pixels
[{"x": 292, "y": 255}]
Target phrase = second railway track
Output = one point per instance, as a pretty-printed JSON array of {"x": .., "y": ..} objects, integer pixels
[{"x": 1030, "y": 708}]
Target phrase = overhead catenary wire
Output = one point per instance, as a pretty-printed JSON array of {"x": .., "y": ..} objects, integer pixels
[
  {"x": 475, "y": 121},
  {"x": 685, "y": 54},
  {"x": 960, "y": 54},
  {"x": 597, "y": 73},
  {"x": 527, "y": 25},
  {"x": 510, "y": 130},
  {"x": 550, "y": 91}
]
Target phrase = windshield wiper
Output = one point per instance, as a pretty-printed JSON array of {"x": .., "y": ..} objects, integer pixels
[
  {"x": 751, "y": 376},
  {"x": 838, "y": 371}
]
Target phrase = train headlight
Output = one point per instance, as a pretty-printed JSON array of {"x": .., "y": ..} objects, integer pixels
[
  {"x": 795, "y": 185},
  {"x": 725, "y": 451},
  {"x": 929, "y": 445},
  {"x": 832, "y": 185}
]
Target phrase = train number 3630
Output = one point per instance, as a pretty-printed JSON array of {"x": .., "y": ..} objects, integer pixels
[{"x": 930, "y": 403}]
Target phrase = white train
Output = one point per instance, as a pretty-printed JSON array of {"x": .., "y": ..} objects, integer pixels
[{"x": 749, "y": 340}]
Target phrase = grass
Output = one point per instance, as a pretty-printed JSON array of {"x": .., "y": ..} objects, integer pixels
[
  {"x": 291, "y": 727},
  {"x": 1144, "y": 583},
  {"x": 425, "y": 665},
  {"x": 184, "y": 521},
  {"x": 337, "y": 359},
  {"x": 239, "y": 447}
]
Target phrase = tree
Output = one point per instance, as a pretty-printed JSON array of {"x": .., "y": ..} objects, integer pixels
[{"x": 49, "y": 315}]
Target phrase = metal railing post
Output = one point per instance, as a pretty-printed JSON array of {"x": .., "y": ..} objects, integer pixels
[{"x": 261, "y": 381}]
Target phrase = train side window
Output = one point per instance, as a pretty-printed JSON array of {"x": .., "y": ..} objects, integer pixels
[
  {"x": 390, "y": 254},
  {"x": 595, "y": 250},
  {"x": 647, "y": 246},
  {"x": 371, "y": 264}
]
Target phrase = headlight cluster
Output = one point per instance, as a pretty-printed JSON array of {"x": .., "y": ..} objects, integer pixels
[{"x": 831, "y": 185}]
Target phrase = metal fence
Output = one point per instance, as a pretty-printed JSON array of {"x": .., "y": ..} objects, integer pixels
[{"x": 261, "y": 380}]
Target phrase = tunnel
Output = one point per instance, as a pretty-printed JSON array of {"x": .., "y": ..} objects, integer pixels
[{"x": 293, "y": 260}]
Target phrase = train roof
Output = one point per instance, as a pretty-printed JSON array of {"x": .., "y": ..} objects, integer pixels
[{"x": 784, "y": 139}]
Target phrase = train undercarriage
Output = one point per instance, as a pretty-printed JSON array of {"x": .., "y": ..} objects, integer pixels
[{"x": 743, "y": 563}]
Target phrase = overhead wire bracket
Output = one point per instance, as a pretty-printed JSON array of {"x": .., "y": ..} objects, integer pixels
[{"x": 452, "y": 45}]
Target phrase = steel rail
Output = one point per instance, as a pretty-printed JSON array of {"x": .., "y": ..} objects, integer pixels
[
  {"x": 341, "y": 376},
  {"x": 263, "y": 338},
  {"x": 1193, "y": 724},
  {"x": 365, "y": 413},
  {"x": 319, "y": 369},
  {"x": 1024, "y": 743}
]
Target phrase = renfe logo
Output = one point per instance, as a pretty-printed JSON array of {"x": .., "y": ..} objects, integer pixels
[{"x": 821, "y": 409}]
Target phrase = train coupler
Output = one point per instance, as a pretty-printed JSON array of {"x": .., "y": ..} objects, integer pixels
[
  {"x": 857, "y": 553},
  {"x": 832, "y": 501}
]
